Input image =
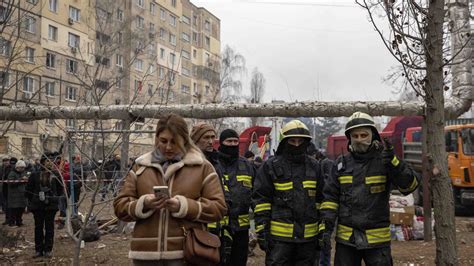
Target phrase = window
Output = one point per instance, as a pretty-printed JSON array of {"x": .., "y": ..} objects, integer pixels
[
  {"x": 172, "y": 39},
  {"x": 4, "y": 79},
  {"x": 140, "y": 22},
  {"x": 162, "y": 53},
  {"x": 120, "y": 37},
  {"x": 52, "y": 33},
  {"x": 119, "y": 14},
  {"x": 195, "y": 19},
  {"x": 49, "y": 122},
  {"x": 74, "y": 13},
  {"x": 186, "y": 20},
  {"x": 71, "y": 93},
  {"x": 139, "y": 64},
  {"x": 194, "y": 53},
  {"x": 73, "y": 40},
  {"x": 172, "y": 20},
  {"x": 28, "y": 87},
  {"x": 70, "y": 123},
  {"x": 162, "y": 73},
  {"x": 30, "y": 55},
  {"x": 185, "y": 71},
  {"x": 207, "y": 25},
  {"x": 140, "y": 3},
  {"x": 34, "y": 2},
  {"x": 150, "y": 90},
  {"x": 50, "y": 60},
  {"x": 206, "y": 57},
  {"x": 71, "y": 66},
  {"x": 53, "y": 6},
  {"x": 185, "y": 54},
  {"x": 173, "y": 3},
  {"x": 185, "y": 37},
  {"x": 27, "y": 147},
  {"x": 152, "y": 28},
  {"x": 4, "y": 47},
  {"x": 151, "y": 68},
  {"x": 195, "y": 88},
  {"x": 137, "y": 84},
  {"x": 118, "y": 83},
  {"x": 172, "y": 58},
  {"x": 207, "y": 41},
  {"x": 30, "y": 24},
  {"x": 195, "y": 37},
  {"x": 162, "y": 34},
  {"x": 185, "y": 89},
  {"x": 162, "y": 14},
  {"x": 152, "y": 8},
  {"x": 208, "y": 90},
  {"x": 49, "y": 89},
  {"x": 119, "y": 60},
  {"x": 102, "y": 60}
]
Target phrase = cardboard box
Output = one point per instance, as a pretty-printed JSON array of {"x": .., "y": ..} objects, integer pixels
[
  {"x": 401, "y": 218},
  {"x": 409, "y": 209}
]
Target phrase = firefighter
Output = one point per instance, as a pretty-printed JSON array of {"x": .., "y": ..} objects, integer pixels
[
  {"x": 287, "y": 194},
  {"x": 357, "y": 194},
  {"x": 203, "y": 135},
  {"x": 238, "y": 176}
]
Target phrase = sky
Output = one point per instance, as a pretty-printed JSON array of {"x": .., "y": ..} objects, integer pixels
[{"x": 307, "y": 49}]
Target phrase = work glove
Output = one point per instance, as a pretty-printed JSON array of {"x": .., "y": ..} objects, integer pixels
[
  {"x": 324, "y": 238},
  {"x": 325, "y": 242},
  {"x": 388, "y": 154}
]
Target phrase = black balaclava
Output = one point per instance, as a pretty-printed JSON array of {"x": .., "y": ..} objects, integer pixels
[{"x": 231, "y": 151}]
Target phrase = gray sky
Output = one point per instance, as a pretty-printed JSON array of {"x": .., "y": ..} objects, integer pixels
[{"x": 303, "y": 45}]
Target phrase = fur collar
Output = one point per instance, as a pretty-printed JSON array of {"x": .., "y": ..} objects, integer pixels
[{"x": 192, "y": 157}]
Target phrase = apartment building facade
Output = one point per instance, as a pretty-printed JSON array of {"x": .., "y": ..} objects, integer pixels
[{"x": 76, "y": 53}]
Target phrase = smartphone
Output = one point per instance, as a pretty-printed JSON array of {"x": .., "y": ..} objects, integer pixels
[{"x": 161, "y": 191}]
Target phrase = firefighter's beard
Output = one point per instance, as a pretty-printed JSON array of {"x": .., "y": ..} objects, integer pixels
[{"x": 360, "y": 146}]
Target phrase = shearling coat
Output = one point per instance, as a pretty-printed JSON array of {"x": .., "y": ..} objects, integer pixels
[{"x": 158, "y": 234}]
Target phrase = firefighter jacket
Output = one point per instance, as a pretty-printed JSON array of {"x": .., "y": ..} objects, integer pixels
[
  {"x": 286, "y": 197},
  {"x": 358, "y": 192},
  {"x": 237, "y": 179}
]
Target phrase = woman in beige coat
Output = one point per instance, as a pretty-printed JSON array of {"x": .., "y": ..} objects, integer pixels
[{"x": 196, "y": 197}]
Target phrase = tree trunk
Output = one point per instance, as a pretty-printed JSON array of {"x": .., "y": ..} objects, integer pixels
[{"x": 446, "y": 250}]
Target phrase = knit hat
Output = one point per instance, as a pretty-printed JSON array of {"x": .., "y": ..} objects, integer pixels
[
  {"x": 20, "y": 163},
  {"x": 226, "y": 134},
  {"x": 199, "y": 130},
  {"x": 13, "y": 160}
]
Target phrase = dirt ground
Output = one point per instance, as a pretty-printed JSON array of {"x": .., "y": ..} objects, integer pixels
[{"x": 112, "y": 249}]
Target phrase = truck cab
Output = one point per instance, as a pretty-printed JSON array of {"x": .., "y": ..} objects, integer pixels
[{"x": 460, "y": 148}]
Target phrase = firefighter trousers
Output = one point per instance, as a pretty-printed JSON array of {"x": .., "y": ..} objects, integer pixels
[
  {"x": 240, "y": 249},
  {"x": 351, "y": 256},
  {"x": 287, "y": 253}
]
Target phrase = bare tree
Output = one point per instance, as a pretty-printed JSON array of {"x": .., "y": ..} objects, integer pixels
[
  {"x": 257, "y": 90},
  {"x": 417, "y": 39}
]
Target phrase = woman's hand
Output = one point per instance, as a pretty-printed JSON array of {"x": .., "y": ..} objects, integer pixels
[
  {"x": 152, "y": 202},
  {"x": 173, "y": 205}
]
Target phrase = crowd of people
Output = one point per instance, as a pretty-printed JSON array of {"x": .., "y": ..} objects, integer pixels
[{"x": 300, "y": 200}]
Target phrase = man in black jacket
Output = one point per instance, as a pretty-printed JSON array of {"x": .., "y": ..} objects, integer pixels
[
  {"x": 203, "y": 136},
  {"x": 357, "y": 194},
  {"x": 286, "y": 196},
  {"x": 238, "y": 176}
]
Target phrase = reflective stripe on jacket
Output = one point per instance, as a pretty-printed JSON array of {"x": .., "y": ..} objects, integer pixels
[
  {"x": 286, "y": 199},
  {"x": 357, "y": 194}
]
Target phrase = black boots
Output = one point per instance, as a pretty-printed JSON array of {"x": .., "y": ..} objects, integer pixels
[{"x": 37, "y": 254}]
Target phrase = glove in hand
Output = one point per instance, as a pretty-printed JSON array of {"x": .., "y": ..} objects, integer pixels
[
  {"x": 388, "y": 153},
  {"x": 325, "y": 241}
]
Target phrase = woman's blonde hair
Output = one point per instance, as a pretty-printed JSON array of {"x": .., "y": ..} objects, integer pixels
[{"x": 179, "y": 128}]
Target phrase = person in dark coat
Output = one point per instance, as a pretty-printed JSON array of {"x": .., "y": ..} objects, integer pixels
[
  {"x": 3, "y": 167},
  {"x": 16, "y": 193},
  {"x": 6, "y": 168},
  {"x": 43, "y": 192}
]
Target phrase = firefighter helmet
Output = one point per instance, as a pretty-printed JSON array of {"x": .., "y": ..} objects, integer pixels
[
  {"x": 359, "y": 119},
  {"x": 294, "y": 129}
]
